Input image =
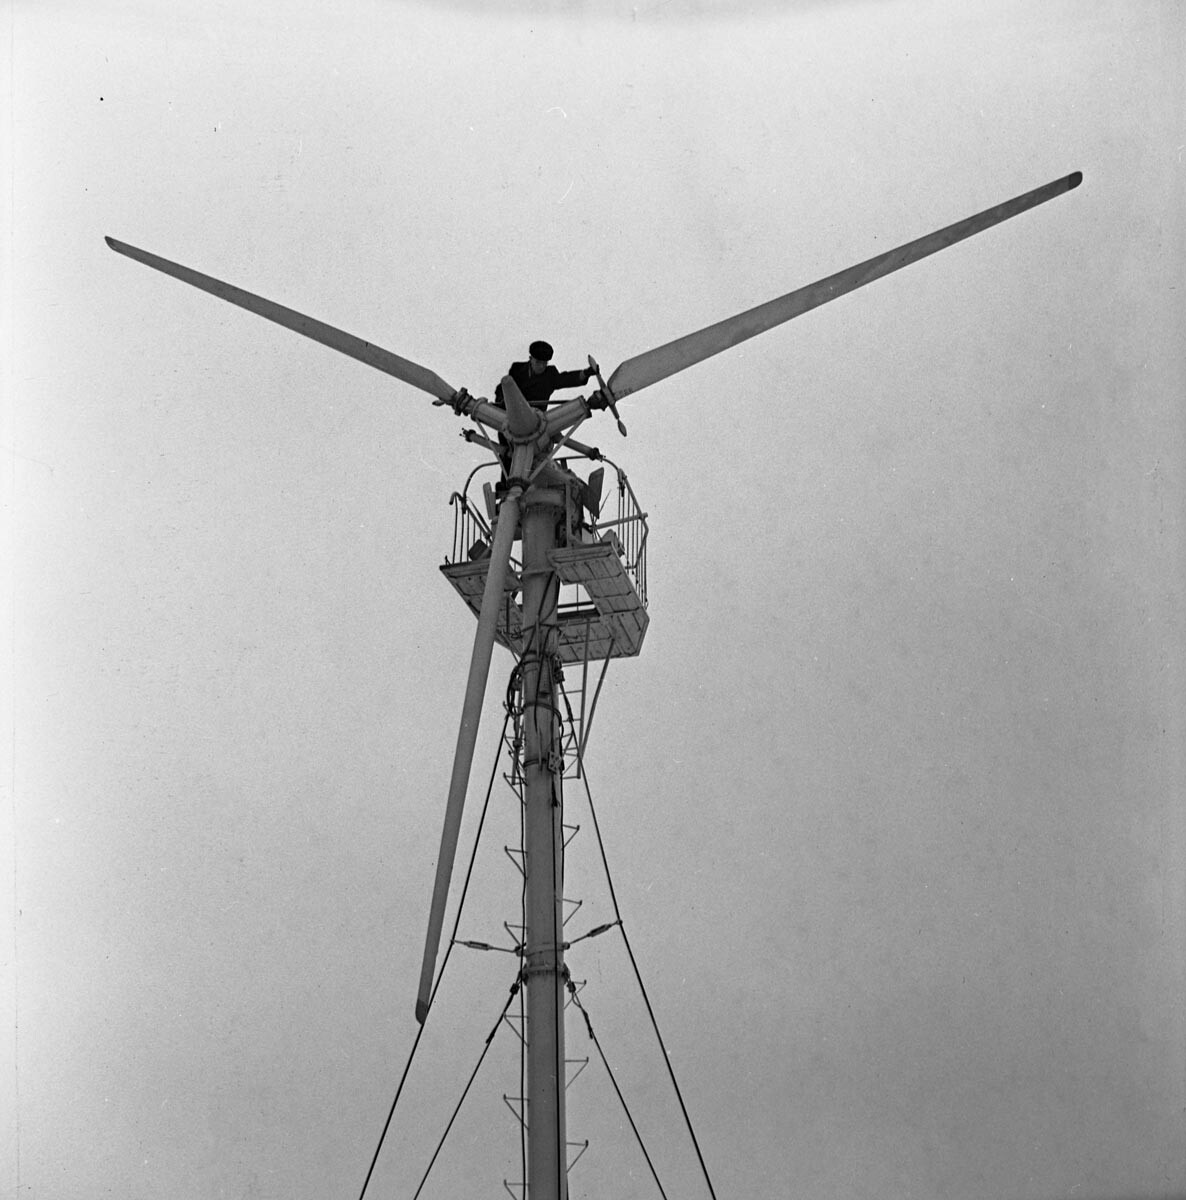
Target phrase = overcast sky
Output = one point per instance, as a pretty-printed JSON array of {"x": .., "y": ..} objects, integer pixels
[{"x": 893, "y": 796}]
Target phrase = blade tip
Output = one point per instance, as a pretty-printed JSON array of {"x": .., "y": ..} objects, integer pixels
[
  {"x": 421, "y": 1012},
  {"x": 1074, "y": 180}
]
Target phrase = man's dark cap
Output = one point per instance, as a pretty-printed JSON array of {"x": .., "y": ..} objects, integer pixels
[{"x": 540, "y": 350}]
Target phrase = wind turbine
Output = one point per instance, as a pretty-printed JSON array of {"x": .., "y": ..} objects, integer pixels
[{"x": 534, "y": 505}]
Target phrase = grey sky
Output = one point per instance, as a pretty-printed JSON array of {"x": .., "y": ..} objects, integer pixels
[{"x": 893, "y": 795}]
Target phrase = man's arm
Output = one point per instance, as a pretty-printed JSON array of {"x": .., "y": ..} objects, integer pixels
[{"x": 567, "y": 379}]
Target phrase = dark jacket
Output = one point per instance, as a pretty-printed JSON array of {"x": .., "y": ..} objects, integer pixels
[{"x": 537, "y": 389}]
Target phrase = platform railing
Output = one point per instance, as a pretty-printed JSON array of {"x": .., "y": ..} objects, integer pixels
[
  {"x": 471, "y": 530},
  {"x": 629, "y": 524},
  {"x": 621, "y": 516}
]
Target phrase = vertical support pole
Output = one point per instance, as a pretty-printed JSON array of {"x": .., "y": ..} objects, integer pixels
[{"x": 544, "y": 967}]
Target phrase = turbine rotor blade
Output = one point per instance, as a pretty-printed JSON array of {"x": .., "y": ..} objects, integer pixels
[
  {"x": 345, "y": 343},
  {"x": 471, "y": 713},
  {"x": 653, "y": 365},
  {"x": 522, "y": 419}
]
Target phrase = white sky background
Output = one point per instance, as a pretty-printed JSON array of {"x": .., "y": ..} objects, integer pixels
[{"x": 893, "y": 795}]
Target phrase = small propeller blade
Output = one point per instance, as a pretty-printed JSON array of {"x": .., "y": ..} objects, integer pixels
[
  {"x": 608, "y": 393},
  {"x": 471, "y": 714},
  {"x": 593, "y": 489},
  {"x": 653, "y": 365},
  {"x": 345, "y": 343}
]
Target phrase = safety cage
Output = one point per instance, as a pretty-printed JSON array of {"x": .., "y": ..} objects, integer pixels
[{"x": 601, "y": 563}]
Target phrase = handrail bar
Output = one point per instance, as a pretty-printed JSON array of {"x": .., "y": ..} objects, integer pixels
[{"x": 621, "y": 520}]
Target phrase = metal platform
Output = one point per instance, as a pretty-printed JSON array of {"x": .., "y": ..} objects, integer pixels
[
  {"x": 469, "y": 579},
  {"x": 618, "y": 621},
  {"x": 606, "y": 620}
]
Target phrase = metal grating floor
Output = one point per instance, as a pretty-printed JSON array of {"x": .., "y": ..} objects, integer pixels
[{"x": 612, "y": 625}]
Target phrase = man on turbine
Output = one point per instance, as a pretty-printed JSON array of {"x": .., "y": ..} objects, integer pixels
[{"x": 538, "y": 379}]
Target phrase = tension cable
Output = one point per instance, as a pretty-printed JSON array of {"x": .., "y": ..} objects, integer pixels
[
  {"x": 642, "y": 988},
  {"x": 609, "y": 1071},
  {"x": 469, "y": 1083},
  {"x": 444, "y": 963}
]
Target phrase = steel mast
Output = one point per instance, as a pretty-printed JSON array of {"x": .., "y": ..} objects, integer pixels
[{"x": 544, "y": 973}]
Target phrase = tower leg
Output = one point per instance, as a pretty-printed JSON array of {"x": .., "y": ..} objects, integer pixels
[{"x": 543, "y": 857}]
